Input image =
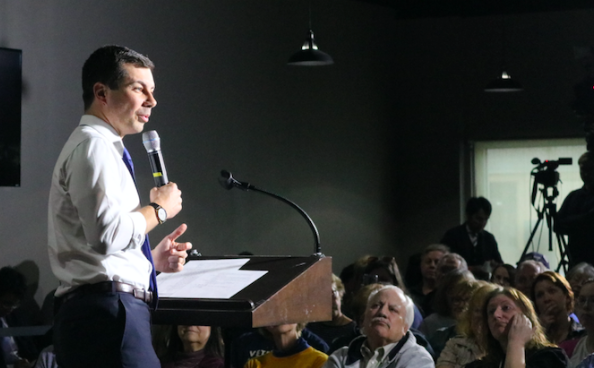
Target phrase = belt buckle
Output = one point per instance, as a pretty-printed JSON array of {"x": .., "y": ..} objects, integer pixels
[{"x": 142, "y": 294}]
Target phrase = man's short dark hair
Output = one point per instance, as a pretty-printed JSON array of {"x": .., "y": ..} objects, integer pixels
[
  {"x": 106, "y": 65},
  {"x": 475, "y": 204},
  {"x": 12, "y": 282}
]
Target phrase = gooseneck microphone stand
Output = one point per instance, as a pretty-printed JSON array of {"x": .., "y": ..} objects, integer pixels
[{"x": 229, "y": 182}]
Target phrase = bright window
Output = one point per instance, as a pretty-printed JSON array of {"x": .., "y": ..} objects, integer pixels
[{"x": 502, "y": 175}]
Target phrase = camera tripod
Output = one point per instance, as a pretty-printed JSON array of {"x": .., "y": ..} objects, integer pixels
[{"x": 549, "y": 213}]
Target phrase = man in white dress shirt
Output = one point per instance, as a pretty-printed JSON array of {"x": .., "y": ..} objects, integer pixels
[{"x": 98, "y": 247}]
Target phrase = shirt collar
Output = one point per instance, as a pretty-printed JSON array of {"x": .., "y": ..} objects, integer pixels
[
  {"x": 381, "y": 351},
  {"x": 104, "y": 129}
]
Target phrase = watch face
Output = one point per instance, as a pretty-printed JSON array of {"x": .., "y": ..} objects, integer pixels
[{"x": 162, "y": 214}]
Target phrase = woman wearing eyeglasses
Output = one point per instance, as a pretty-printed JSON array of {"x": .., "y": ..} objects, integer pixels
[{"x": 584, "y": 308}]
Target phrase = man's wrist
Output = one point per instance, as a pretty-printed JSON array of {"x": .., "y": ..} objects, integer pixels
[{"x": 160, "y": 212}]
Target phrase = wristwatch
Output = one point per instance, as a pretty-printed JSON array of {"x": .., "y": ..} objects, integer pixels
[{"x": 160, "y": 212}]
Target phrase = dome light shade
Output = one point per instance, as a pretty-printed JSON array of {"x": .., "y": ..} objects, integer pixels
[
  {"x": 504, "y": 83},
  {"x": 309, "y": 55}
]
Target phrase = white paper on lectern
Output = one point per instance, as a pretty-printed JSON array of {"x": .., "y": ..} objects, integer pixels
[{"x": 216, "y": 279}]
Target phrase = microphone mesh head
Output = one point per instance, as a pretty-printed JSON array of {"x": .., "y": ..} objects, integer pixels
[{"x": 151, "y": 141}]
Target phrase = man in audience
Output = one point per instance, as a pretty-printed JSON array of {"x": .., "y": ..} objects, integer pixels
[
  {"x": 471, "y": 240},
  {"x": 422, "y": 292},
  {"x": 387, "y": 341},
  {"x": 526, "y": 273},
  {"x": 428, "y": 266},
  {"x": 576, "y": 216}
]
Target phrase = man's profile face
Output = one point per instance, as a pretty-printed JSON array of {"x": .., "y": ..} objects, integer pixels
[
  {"x": 385, "y": 317},
  {"x": 477, "y": 221},
  {"x": 128, "y": 108}
]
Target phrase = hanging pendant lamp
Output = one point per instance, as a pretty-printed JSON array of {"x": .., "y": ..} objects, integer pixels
[
  {"x": 309, "y": 55},
  {"x": 504, "y": 83}
]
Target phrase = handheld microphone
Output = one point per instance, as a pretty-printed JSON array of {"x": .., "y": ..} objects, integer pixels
[{"x": 152, "y": 144}]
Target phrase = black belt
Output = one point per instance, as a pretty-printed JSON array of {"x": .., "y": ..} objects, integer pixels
[{"x": 108, "y": 287}]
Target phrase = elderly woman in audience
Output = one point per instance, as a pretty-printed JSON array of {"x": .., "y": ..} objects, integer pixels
[
  {"x": 511, "y": 336},
  {"x": 464, "y": 349},
  {"x": 291, "y": 350},
  {"x": 504, "y": 275},
  {"x": 553, "y": 300},
  {"x": 584, "y": 308},
  {"x": 189, "y": 347},
  {"x": 448, "y": 302},
  {"x": 340, "y": 325},
  {"x": 577, "y": 275},
  {"x": 457, "y": 299}
]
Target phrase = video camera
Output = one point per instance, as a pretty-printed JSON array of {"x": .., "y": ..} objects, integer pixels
[{"x": 545, "y": 173}]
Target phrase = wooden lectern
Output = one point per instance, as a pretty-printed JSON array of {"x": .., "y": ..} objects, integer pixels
[{"x": 295, "y": 289}]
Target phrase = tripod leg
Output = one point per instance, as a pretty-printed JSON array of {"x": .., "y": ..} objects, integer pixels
[{"x": 540, "y": 215}]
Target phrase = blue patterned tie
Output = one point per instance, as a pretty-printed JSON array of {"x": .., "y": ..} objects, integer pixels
[{"x": 146, "y": 247}]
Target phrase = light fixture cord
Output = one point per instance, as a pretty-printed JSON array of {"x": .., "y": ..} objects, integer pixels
[{"x": 310, "y": 15}]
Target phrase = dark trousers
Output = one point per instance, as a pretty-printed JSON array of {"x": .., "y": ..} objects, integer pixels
[{"x": 106, "y": 330}]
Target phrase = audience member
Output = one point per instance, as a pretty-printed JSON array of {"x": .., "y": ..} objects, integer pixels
[
  {"x": 189, "y": 347},
  {"x": 259, "y": 342},
  {"x": 450, "y": 262},
  {"x": 584, "y": 308},
  {"x": 577, "y": 275},
  {"x": 553, "y": 301},
  {"x": 511, "y": 335},
  {"x": 525, "y": 275},
  {"x": 476, "y": 245},
  {"x": 291, "y": 350},
  {"x": 535, "y": 256},
  {"x": 340, "y": 325},
  {"x": 447, "y": 263},
  {"x": 385, "y": 271},
  {"x": 17, "y": 351},
  {"x": 355, "y": 283},
  {"x": 428, "y": 268},
  {"x": 387, "y": 341},
  {"x": 464, "y": 349},
  {"x": 576, "y": 215},
  {"x": 446, "y": 303},
  {"x": 457, "y": 300},
  {"x": 504, "y": 275},
  {"x": 359, "y": 308}
]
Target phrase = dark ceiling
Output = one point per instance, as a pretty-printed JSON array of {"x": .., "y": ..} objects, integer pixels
[{"x": 411, "y": 9}]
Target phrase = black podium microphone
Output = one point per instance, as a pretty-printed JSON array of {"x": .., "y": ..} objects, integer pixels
[
  {"x": 229, "y": 182},
  {"x": 152, "y": 144}
]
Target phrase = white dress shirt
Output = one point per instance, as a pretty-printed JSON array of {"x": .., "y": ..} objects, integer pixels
[{"x": 95, "y": 231}]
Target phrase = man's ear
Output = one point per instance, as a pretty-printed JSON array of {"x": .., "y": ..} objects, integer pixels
[{"x": 100, "y": 92}]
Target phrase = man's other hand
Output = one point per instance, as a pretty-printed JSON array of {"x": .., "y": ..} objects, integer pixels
[{"x": 169, "y": 255}]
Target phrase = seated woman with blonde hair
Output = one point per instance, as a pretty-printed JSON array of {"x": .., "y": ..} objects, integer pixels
[
  {"x": 512, "y": 337},
  {"x": 464, "y": 349}
]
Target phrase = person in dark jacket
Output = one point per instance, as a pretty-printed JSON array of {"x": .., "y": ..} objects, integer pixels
[{"x": 470, "y": 240}]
